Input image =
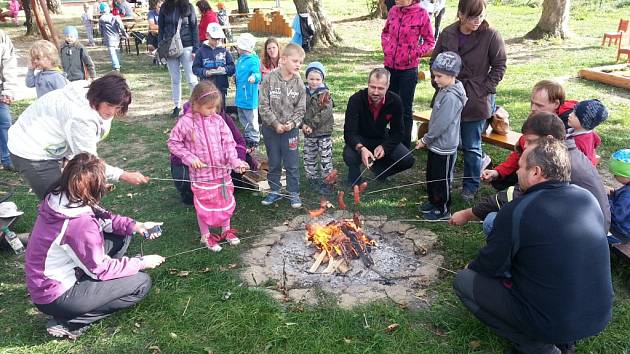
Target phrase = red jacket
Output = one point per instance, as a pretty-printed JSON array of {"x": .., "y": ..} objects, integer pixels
[
  {"x": 510, "y": 165},
  {"x": 400, "y": 37},
  {"x": 207, "y": 18}
]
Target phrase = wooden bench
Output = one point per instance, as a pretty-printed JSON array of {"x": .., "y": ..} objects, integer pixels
[{"x": 508, "y": 141}]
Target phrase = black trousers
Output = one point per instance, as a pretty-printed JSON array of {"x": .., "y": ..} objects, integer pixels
[
  {"x": 509, "y": 181},
  {"x": 91, "y": 300},
  {"x": 353, "y": 159},
  {"x": 403, "y": 83},
  {"x": 495, "y": 306},
  {"x": 440, "y": 169}
]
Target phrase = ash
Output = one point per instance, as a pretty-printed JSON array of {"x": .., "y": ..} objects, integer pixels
[{"x": 405, "y": 264}]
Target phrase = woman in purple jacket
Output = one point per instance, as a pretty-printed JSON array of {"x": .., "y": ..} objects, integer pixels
[
  {"x": 407, "y": 22},
  {"x": 75, "y": 266}
]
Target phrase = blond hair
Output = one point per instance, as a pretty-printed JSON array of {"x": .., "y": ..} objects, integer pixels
[
  {"x": 292, "y": 49},
  {"x": 206, "y": 92},
  {"x": 45, "y": 49}
]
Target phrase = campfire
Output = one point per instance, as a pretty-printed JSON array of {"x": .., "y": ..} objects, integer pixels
[{"x": 338, "y": 242}]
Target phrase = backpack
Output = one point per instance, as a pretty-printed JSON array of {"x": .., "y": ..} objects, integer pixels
[{"x": 308, "y": 33}]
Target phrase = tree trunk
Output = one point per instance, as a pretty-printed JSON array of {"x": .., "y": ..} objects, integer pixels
[
  {"x": 242, "y": 6},
  {"x": 554, "y": 21},
  {"x": 380, "y": 9},
  {"x": 28, "y": 14},
  {"x": 324, "y": 31},
  {"x": 54, "y": 6}
]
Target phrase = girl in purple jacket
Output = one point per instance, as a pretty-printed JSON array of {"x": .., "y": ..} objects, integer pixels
[
  {"x": 75, "y": 266},
  {"x": 204, "y": 142}
]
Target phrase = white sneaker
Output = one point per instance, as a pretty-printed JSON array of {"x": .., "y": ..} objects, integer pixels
[{"x": 485, "y": 162}]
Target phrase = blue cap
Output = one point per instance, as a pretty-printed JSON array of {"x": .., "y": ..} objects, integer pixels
[
  {"x": 103, "y": 7},
  {"x": 590, "y": 113},
  {"x": 448, "y": 63},
  {"x": 71, "y": 31},
  {"x": 316, "y": 66}
]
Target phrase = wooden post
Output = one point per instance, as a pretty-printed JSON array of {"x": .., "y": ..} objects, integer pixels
[
  {"x": 49, "y": 21},
  {"x": 38, "y": 20}
]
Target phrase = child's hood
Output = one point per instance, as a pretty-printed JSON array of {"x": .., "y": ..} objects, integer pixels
[
  {"x": 57, "y": 207},
  {"x": 51, "y": 72},
  {"x": 322, "y": 88},
  {"x": 458, "y": 90}
]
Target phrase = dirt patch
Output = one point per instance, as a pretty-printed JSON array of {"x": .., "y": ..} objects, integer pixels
[{"x": 405, "y": 264}]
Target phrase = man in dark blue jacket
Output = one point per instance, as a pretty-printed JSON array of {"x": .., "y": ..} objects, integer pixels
[{"x": 544, "y": 275}]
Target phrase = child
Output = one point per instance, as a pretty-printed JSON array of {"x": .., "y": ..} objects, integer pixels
[
  {"x": 111, "y": 28},
  {"x": 317, "y": 127},
  {"x": 584, "y": 118},
  {"x": 14, "y": 10},
  {"x": 443, "y": 135},
  {"x": 282, "y": 106},
  {"x": 620, "y": 199},
  {"x": 45, "y": 58},
  {"x": 86, "y": 18},
  {"x": 224, "y": 21},
  {"x": 247, "y": 78},
  {"x": 75, "y": 60},
  {"x": 213, "y": 62},
  {"x": 203, "y": 141},
  {"x": 8, "y": 87}
]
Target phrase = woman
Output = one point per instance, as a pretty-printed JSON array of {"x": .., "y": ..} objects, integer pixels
[
  {"x": 152, "y": 18},
  {"x": 406, "y": 23},
  {"x": 66, "y": 122},
  {"x": 67, "y": 236},
  {"x": 207, "y": 16},
  {"x": 170, "y": 14},
  {"x": 483, "y": 64},
  {"x": 270, "y": 56}
]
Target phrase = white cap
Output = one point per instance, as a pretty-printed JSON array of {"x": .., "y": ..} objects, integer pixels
[
  {"x": 9, "y": 210},
  {"x": 246, "y": 42},
  {"x": 215, "y": 31}
]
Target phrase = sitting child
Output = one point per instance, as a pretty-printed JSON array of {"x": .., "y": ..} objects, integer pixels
[
  {"x": 585, "y": 117},
  {"x": 620, "y": 199},
  {"x": 317, "y": 127},
  {"x": 75, "y": 60},
  {"x": 203, "y": 141},
  {"x": 45, "y": 59}
]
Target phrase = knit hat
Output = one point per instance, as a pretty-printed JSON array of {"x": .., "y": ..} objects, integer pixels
[
  {"x": 620, "y": 163},
  {"x": 103, "y": 7},
  {"x": 448, "y": 63},
  {"x": 590, "y": 113},
  {"x": 214, "y": 31},
  {"x": 71, "y": 31},
  {"x": 246, "y": 42},
  {"x": 317, "y": 66}
]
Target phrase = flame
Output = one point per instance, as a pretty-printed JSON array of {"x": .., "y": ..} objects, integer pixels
[{"x": 334, "y": 241}]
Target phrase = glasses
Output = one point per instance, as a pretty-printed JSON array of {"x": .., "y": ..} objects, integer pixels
[{"x": 476, "y": 18}]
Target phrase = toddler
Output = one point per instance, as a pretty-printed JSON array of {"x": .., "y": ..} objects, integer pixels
[
  {"x": 86, "y": 18},
  {"x": 247, "y": 78},
  {"x": 620, "y": 199},
  {"x": 111, "y": 28},
  {"x": 44, "y": 59},
  {"x": 14, "y": 10},
  {"x": 75, "y": 60},
  {"x": 585, "y": 117},
  {"x": 317, "y": 128},
  {"x": 203, "y": 141}
]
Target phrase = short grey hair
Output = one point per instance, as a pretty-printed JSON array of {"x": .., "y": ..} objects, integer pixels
[
  {"x": 552, "y": 156},
  {"x": 378, "y": 73}
]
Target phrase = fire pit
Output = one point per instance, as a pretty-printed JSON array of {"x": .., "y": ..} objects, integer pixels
[{"x": 365, "y": 260}]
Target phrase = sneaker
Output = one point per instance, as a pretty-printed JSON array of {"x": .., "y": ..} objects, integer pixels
[
  {"x": 230, "y": 236},
  {"x": 175, "y": 112},
  {"x": 210, "y": 240},
  {"x": 271, "y": 198},
  {"x": 485, "y": 162},
  {"x": 57, "y": 329},
  {"x": 426, "y": 207},
  {"x": 467, "y": 196},
  {"x": 8, "y": 167},
  {"x": 437, "y": 214},
  {"x": 296, "y": 202}
]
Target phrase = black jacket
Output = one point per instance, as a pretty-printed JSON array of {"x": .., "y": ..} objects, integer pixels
[
  {"x": 360, "y": 127},
  {"x": 167, "y": 22}
]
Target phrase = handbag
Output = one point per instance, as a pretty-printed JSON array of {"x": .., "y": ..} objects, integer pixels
[
  {"x": 500, "y": 121},
  {"x": 172, "y": 47}
]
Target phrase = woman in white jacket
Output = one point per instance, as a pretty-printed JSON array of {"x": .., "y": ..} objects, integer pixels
[{"x": 64, "y": 123}]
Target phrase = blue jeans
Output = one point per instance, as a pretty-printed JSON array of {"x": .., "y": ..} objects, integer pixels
[
  {"x": 473, "y": 155},
  {"x": 403, "y": 83},
  {"x": 113, "y": 55},
  {"x": 488, "y": 223},
  {"x": 282, "y": 149},
  {"x": 173, "y": 64},
  {"x": 5, "y": 124}
]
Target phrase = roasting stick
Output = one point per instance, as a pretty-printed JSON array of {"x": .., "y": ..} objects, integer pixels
[
  {"x": 446, "y": 220},
  {"x": 413, "y": 184}
]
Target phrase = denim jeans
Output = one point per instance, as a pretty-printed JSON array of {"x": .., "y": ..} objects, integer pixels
[
  {"x": 403, "y": 83},
  {"x": 113, "y": 55},
  {"x": 173, "y": 64},
  {"x": 473, "y": 155},
  {"x": 282, "y": 149},
  {"x": 5, "y": 124},
  {"x": 488, "y": 223}
]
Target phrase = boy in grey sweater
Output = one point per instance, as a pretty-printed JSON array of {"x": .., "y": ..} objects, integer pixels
[
  {"x": 443, "y": 135},
  {"x": 111, "y": 29},
  {"x": 282, "y": 105}
]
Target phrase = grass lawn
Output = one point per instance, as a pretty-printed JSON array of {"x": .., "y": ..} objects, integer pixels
[{"x": 191, "y": 315}]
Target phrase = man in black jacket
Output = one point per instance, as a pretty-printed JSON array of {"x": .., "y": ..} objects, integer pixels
[
  {"x": 373, "y": 130},
  {"x": 544, "y": 275}
]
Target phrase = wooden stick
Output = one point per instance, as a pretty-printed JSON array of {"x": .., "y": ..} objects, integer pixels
[
  {"x": 333, "y": 265},
  {"x": 318, "y": 261},
  {"x": 186, "y": 308}
]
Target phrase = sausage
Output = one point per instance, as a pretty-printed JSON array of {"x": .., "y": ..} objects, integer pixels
[
  {"x": 357, "y": 195},
  {"x": 363, "y": 186},
  {"x": 331, "y": 178},
  {"x": 316, "y": 213},
  {"x": 340, "y": 201}
]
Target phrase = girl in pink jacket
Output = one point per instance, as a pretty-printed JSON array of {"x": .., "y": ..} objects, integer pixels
[
  {"x": 204, "y": 142},
  {"x": 14, "y": 9}
]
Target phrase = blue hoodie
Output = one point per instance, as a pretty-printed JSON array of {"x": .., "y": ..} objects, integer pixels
[
  {"x": 209, "y": 58},
  {"x": 246, "y": 93}
]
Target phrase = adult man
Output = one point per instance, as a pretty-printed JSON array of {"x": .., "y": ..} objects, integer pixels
[
  {"x": 583, "y": 174},
  {"x": 368, "y": 139},
  {"x": 547, "y": 96},
  {"x": 544, "y": 275}
]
